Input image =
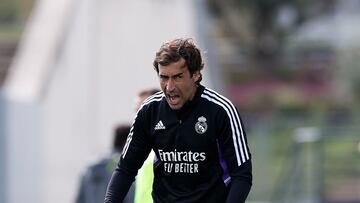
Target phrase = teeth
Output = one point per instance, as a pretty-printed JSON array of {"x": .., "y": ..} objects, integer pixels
[{"x": 172, "y": 98}]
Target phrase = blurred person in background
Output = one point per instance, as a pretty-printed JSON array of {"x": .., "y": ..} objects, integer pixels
[
  {"x": 197, "y": 135},
  {"x": 142, "y": 95},
  {"x": 96, "y": 177}
]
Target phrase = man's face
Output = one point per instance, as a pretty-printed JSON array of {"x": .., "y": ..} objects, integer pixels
[{"x": 177, "y": 84}]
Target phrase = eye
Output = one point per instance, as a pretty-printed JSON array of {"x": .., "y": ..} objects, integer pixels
[
  {"x": 163, "y": 78},
  {"x": 178, "y": 77}
]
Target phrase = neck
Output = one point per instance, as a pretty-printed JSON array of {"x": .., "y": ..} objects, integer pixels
[{"x": 194, "y": 92}]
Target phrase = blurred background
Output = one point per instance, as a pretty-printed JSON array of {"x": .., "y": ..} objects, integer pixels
[{"x": 70, "y": 70}]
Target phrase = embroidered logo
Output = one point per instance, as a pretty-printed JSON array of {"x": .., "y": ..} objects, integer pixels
[
  {"x": 159, "y": 126},
  {"x": 201, "y": 126}
]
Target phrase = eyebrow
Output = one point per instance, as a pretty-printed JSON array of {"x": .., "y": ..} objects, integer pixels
[{"x": 174, "y": 76}]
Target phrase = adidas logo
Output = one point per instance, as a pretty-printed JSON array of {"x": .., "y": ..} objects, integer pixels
[{"x": 159, "y": 126}]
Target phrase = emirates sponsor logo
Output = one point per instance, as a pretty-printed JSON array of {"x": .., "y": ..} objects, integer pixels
[{"x": 181, "y": 161}]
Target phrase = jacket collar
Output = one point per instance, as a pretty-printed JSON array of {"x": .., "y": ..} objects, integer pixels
[{"x": 190, "y": 104}]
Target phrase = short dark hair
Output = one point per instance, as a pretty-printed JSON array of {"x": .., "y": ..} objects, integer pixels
[
  {"x": 120, "y": 135},
  {"x": 174, "y": 50}
]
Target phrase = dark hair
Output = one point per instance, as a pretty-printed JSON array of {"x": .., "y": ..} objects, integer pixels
[
  {"x": 174, "y": 50},
  {"x": 120, "y": 135}
]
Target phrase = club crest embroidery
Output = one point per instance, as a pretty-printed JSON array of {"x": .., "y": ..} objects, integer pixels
[{"x": 201, "y": 126}]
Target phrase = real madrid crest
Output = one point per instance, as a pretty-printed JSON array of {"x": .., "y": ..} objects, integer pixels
[{"x": 201, "y": 126}]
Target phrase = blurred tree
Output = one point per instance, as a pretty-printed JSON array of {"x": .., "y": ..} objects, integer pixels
[
  {"x": 15, "y": 11},
  {"x": 262, "y": 26},
  {"x": 13, "y": 16},
  {"x": 8, "y": 11}
]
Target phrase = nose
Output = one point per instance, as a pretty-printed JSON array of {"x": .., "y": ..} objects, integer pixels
[{"x": 170, "y": 85}]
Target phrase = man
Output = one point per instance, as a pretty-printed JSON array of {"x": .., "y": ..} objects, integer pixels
[
  {"x": 96, "y": 178},
  {"x": 196, "y": 134}
]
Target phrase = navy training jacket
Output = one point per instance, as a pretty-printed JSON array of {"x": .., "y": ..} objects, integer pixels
[{"x": 201, "y": 151}]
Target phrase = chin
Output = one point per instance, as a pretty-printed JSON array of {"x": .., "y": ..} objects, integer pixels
[{"x": 175, "y": 107}]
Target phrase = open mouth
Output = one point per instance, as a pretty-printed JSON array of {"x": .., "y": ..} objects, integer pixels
[{"x": 173, "y": 99}]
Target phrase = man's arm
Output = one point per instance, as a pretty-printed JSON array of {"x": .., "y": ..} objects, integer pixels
[
  {"x": 136, "y": 150},
  {"x": 118, "y": 187},
  {"x": 234, "y": 149}
]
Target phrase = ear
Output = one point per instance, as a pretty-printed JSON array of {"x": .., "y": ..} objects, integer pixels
[{"x": 196, "y": 75}]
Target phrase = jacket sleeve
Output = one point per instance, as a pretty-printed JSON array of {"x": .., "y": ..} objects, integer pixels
[
  {"x": 240, "y": 185},
  {"x": 234, "y": 149},
  {"x": 136, "y": 150}
]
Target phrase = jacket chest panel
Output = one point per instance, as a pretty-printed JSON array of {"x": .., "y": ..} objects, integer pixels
[{"x": 193, "y": 132}]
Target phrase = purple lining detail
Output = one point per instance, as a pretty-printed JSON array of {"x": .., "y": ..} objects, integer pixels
[
  {"x": 226, "y": 178},
  {"x": 156, "y": 161}
]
